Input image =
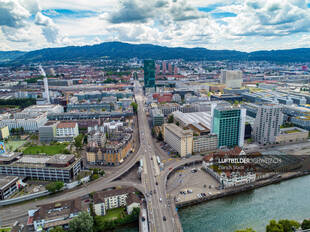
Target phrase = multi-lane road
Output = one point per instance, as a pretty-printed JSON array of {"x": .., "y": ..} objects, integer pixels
[{"x": 159, "y": 213}]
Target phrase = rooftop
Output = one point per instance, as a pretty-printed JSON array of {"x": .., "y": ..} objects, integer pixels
[
  {"x": 66, "y": 125},
  {"x": 178, "y": 130},
  {"x": 99, "y": 197},
  {"x": 5, "y": 180},
  {"x": 60, "y": 209}
]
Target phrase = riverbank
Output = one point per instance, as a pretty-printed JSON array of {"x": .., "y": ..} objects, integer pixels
[{"x": 244, "y": 188}]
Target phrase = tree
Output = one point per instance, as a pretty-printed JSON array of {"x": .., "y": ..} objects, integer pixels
[
  {"x": 177, "y": 123},
  {"x": 170, "y": 118},
  {"x": 289, "y": 225},
  {"x": 274, "y": 227},
  {"x": 134, "y": 107},
  {"x": 78, "y": 141},
  {"x": 160, "y": 136},
  {"x": 54, "y": 186},
  {"x": 246, "y": 230},
  {"x": 82, "y": 223},
  {"x": 57, "y": 229},
  {"x": 305, "y": 224}
]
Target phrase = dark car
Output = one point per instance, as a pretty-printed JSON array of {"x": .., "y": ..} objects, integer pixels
[
  {"x": 156, "y": 183},
  {"x": 164, "y": 218}
]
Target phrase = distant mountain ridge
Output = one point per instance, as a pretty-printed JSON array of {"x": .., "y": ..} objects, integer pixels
[
  {"x": 115, "y": 50},
  {"x": 6, "y": 56}
]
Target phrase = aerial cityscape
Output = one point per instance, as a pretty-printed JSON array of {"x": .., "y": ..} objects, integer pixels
[{"x": 160, "y": 116}]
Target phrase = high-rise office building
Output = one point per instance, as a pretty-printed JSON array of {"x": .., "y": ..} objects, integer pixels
[
  {"x": 149, "y": 73},
  {"x": 267, "y": 123},
  {"x": 157, "y": 68},
  {"x": 231, "y": 78},
  {"x": 176, "y": 70},
  {"x": 164, "y": 67},
  {"x": 228, "y": 123},
  {"x": 169, "y": 68}
]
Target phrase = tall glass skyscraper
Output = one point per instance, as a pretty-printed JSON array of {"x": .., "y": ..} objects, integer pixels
[
  {"x": 228, "y": 123},
  {"x": 149, "y": 73}
]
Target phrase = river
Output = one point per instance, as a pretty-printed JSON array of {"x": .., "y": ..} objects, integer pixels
[{"x": 286, "y": 200}]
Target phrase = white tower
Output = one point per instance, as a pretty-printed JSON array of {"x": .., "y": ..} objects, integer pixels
[{"x": 47, "y": 95}]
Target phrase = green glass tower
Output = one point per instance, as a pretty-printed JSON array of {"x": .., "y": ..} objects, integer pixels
[
  {"x": 149, "y": 73},
  {"x": 228, "y": 124}
]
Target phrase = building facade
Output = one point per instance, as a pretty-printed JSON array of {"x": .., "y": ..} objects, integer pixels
[
  {"x": 149, "y": 73},
  {"x": 4, "y": 132},
  {"x": 267, "y": 123},
  {"x": 67, "y": 131},
  {"x": 205, "y": 143},
  {"x": 56, "y": 168},
  {"x": 8, "y": 186},
  {"x": 157, "y": 117},
  {"x": 292, "y": 135},
  {"x": 105, "y": 200},
  {"x": 179, "y": 139},
  {"x": 228, "y": 123}
]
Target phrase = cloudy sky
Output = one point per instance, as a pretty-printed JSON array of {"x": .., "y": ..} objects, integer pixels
[{"x": 245, "y": 25}]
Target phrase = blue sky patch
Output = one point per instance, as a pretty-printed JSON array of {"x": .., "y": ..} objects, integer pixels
[
  {"x": 219, "y": 15},
  {"x": 55, "y": 13}
]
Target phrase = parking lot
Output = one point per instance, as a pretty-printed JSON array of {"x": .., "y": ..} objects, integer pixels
[{"x": 188, "y": 183}]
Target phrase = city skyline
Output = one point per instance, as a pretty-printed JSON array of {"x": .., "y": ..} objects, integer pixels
[{"x": 241, "y": 25}]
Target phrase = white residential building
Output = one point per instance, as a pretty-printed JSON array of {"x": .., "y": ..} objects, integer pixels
[
  {"x": 67, "y": 130},
  {"x": 116, "y": 198},
  {"x": 267, "y": 123}
]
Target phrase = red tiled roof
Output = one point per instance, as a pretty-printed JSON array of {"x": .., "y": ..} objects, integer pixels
[{"x": 66, "y": 125}]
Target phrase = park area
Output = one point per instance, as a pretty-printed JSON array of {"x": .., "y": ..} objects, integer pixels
[
  {"x": 8, "y": 229},
  {"x": 12, "y": 145},
  {"x": 58, "y": 148}
]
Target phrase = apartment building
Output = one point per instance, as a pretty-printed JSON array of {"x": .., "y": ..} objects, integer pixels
[
  {"x": 105, "y": 200},
  {"x": 67, "y": 130},
  {"x": 267, "y": 123},
  {"x": 179, "y": 139}
]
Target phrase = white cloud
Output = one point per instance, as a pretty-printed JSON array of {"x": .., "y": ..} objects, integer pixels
[{"x": 258, "y": 24}]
